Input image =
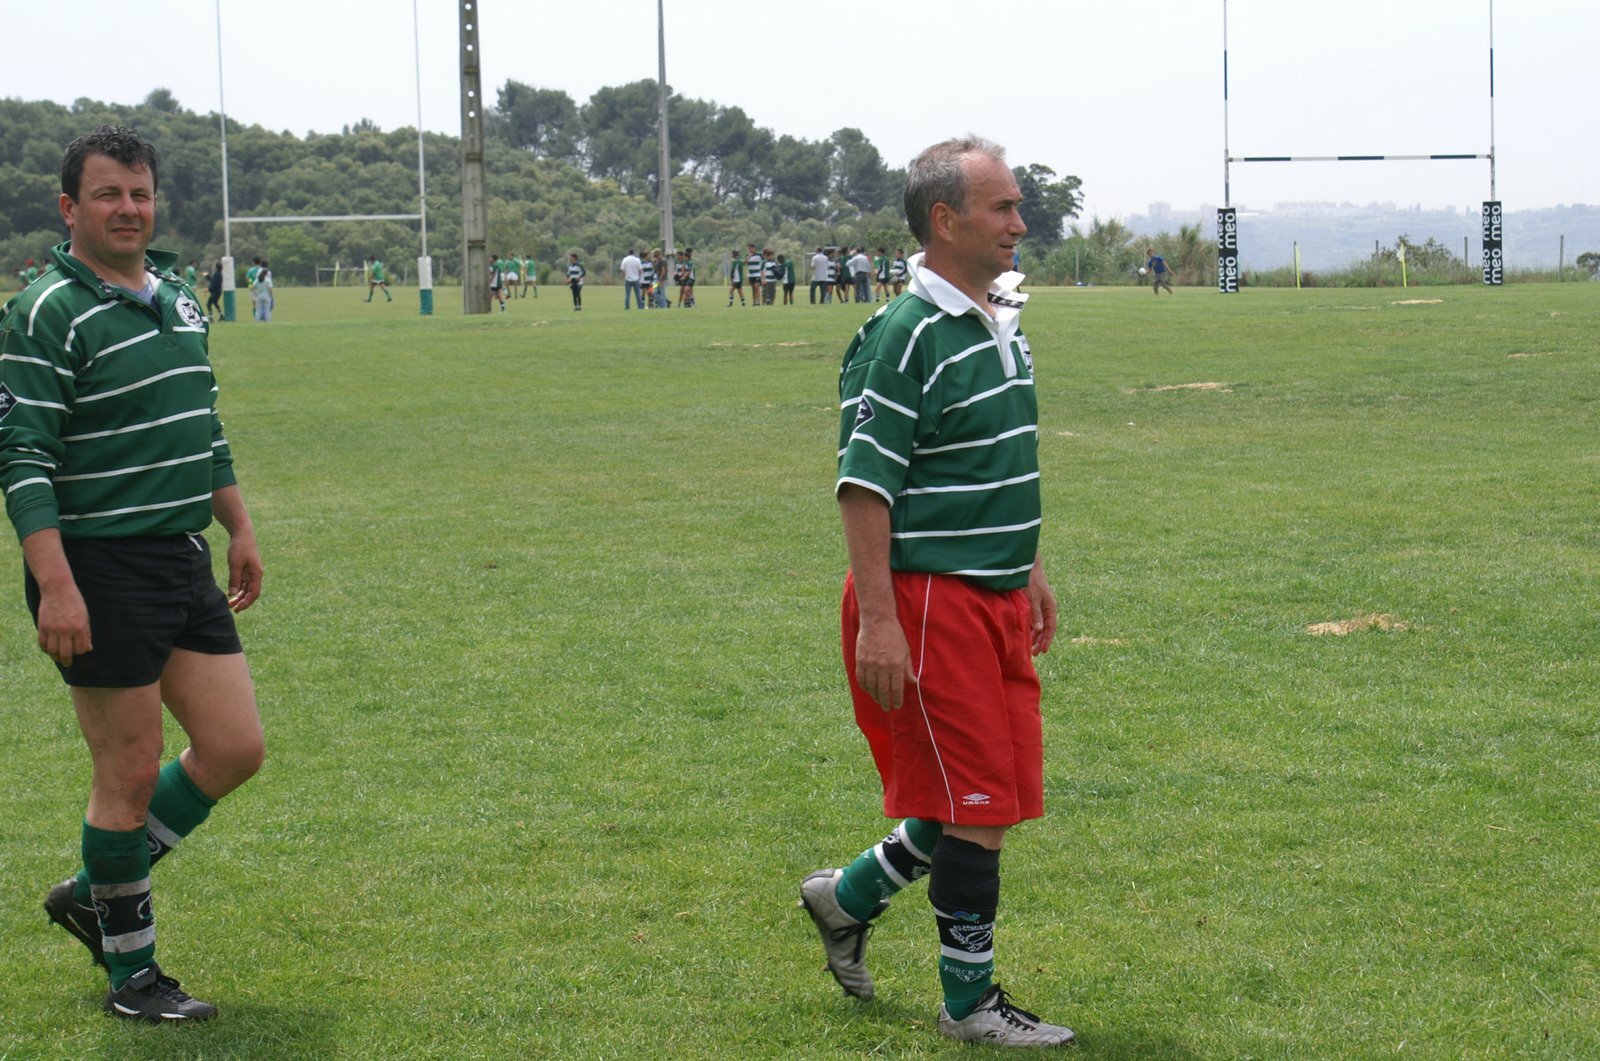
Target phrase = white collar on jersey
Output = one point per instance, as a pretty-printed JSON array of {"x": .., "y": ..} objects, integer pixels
[{"x": 1004, "y": 299}]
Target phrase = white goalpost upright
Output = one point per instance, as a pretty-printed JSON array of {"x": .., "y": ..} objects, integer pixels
[{"x": 1228, "y": 217}]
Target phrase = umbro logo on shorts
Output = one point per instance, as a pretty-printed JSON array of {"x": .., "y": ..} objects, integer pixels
[{"x": 975, "y": 799}]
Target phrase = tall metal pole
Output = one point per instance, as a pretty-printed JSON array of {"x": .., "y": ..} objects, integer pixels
[
  {"x": 227, "y": 232},
  {"x": 422, "y": 173},
  {"x": 1227, "y": 186},
  {"x": 667, "y": 244},
  {"x": 424, "y": 263},
  {"x": 1492, "y": 194},
  {"x": 474, "y": 205}
]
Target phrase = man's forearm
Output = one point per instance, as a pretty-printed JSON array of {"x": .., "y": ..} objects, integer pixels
[
  {"x": 47, "y": 560},
  {"x": 866, "y": 535},
  {"x": 227, "y": 505}
]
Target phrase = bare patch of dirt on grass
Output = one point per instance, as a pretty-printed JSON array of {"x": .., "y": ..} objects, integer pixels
[
  {"x": 1532, "y": 353},
  {"x": 1221, "y": 388},
  {"x": 1417, "y": 302},
  {"x": 1343, "y": 627},
  {"x": 1084, "y": 639}
]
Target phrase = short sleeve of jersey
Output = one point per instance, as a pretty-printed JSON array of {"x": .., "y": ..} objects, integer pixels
[{"x": 881, "y": 410}]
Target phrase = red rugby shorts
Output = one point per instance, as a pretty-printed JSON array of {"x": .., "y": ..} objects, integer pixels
[{"x": 967, "y": 746}]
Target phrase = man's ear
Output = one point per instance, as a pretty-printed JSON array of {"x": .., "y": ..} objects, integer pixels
[{"x": 939, "y": 219}]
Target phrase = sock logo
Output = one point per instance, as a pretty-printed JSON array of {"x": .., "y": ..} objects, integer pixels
[
  {"x": 973, "y": 938},
  {"x": 965, "y": 973}
]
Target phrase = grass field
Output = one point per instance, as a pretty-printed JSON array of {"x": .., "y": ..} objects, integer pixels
[{"x": 548, "y": 661}]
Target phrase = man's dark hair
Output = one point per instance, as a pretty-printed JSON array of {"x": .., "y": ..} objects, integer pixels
[
  {"x": 124, "y": 145},
  {"x": 939, "y": 175}
]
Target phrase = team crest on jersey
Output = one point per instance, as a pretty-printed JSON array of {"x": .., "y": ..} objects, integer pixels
[
  {"x": 189, "y": 310},
  {"x": 864, "y": 412},
  {"x": 8, "y": 401},
  {"x": 1026, "y": 350}
]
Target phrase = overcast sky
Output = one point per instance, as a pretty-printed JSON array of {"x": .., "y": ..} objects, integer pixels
[{"x": 1126, "y": 94}]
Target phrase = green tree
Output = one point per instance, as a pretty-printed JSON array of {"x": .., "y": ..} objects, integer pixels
[
  {"x": 541, "y": 120},
  {"x": 859, "y": 175},
  {"x": 295, "y": 253},
  {"x": 1047, "y": 203},
  {"x": 800, "y": 173},
  {"x": 1589, "y": 262}
]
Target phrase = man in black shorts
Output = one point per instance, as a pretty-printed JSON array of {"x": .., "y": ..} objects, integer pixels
[{"x": 113, "y": 461}]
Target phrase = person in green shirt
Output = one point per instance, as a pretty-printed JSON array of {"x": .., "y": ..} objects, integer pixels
[
  {"x": 191, "y": 274},
  {"x": 111, "y": 468},
  {"x": 530, "y": 278},
  {"x": 376, "y": 279},
  {"x": 946, "y": 602}
]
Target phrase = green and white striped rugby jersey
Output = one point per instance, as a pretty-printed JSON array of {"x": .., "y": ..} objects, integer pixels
[
  {"x": 939, "y": 417},
  {"x": 108, "y": 422}
]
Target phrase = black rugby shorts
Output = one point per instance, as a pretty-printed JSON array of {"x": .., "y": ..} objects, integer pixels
[{"x": 146, "y": 596}]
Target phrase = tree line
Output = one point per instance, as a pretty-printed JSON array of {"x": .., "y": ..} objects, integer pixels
[{"x": 561, "y": 176}]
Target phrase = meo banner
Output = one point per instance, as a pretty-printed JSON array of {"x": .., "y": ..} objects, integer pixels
[{"x": 1228, "y": 250}]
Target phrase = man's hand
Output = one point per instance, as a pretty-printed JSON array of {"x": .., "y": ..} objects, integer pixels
[
  {"x": 244, "y": 558},
  {"x": 244, "y": 572},
  {"x": 63, "y": 624},
  {"x": 63, "y": 617},
  {"x": 1043, "y": 602},
  {"x": 883, "y": 662}
]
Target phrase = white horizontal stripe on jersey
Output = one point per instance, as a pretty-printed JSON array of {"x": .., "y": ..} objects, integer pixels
[
  {"x": 885, "y": 402},
  {"x": 136, "y": 468},
  {"x": 27, "y": 482},
  {"x": 36, "y": 403},
  {"x": 138, "y": 427},
  {"x": 80, "y": 318},
  {"x": 140, "y": 508},
  {"x": 114, "y": 347},
  {"x": 40, "y": 301},
  {"x": 995, "y": 572},
  {"x": 158, "y": 377},
  {"x": 963, "y": 355},
  {"x": 874, "y": 487},
  {"x": 57, "y": 369},
  {"x": 1018, "y": 382},
  {"x": 969, "y": 532},
  {"x": 971, "y": 487},
  {"x": 905, "y": 358},
  {"x": 869, "y": 440},
  {"x": 1013, "y": 433}
]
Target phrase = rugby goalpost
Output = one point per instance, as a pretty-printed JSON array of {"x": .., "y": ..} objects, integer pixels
[
  {"x": 1228, "y": 217},
  {"x": 424, "y": 263}
]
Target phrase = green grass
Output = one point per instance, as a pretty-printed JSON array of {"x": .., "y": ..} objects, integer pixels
[{"x": 548, "y": 661}]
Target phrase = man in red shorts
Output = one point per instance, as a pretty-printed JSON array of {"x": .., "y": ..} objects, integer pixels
[{"x": 947, "y": 601}]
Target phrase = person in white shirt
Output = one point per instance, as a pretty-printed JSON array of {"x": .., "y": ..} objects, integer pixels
[
  {"x": 820, "y": 276},
  {"x": 631, "y": 270},
  {"x": 861, "y": 273}
]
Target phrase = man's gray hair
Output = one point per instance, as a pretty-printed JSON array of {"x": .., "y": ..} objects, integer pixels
[{"x": 939, "y": 175}]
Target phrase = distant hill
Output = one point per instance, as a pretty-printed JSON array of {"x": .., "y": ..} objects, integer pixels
[{"x": 1344, "y": 235}]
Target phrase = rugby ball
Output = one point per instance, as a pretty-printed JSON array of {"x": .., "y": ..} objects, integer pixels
[{"x": 1142, "y": 270}]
